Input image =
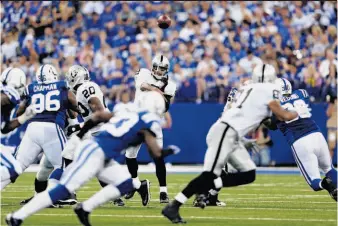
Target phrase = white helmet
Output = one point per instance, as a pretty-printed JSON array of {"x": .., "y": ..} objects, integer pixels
[
  {"x": 77, "y": 75},
  {"x": 264, "y": 73},
  {"x": 285, "y": 86},
  {"x": 160, "y": 67},
  {"x": 247, "y": 82},
  {"x": 151, "y": 101},
  {"x": 46, "y": 74},
  {"x": 14, "y": 77}
]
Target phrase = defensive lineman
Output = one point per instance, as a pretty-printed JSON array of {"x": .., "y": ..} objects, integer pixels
[
  {"x": 308, "y": 144},
  {"x": 13, "y": 81},
  {"x": 44, "y": 132},
  {"x": 95, "y": 157},
  {"x": 154, "y": 80},
  {"x": 253, "y": 104}
]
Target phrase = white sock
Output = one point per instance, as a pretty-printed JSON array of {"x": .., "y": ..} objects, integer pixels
[
  {"x": 164, "y": 189},
  {"x": 136, "y": 183},
  {"x": 4, "y": 183},
  {"x": 213, "y": 192},
  {"x": 39, "y": 202},
  {"x": 105, "y": 194},
  {"x": 180, "y": 197},
  {"x": 218, "y": 182}
]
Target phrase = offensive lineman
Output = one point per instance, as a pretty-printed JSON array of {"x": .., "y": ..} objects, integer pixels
[
  {"x": 240, "y": 159},
  {"x": 154, "y": 80},
  {"x": 13, "y": 81},
  {"x": 254, "y": 104},
  {"x": 308, "y": 144},
  {"x": 95, "y": 157},
  {"x": 44, "y": 132}
]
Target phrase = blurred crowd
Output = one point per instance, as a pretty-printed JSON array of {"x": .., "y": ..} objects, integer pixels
[{"x": 211, "y": 45}]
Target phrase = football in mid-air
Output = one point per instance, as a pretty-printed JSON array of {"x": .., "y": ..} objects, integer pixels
[{"x": 164, "y": 21}]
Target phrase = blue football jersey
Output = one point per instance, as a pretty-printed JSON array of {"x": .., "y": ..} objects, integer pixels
[
  {"x": 122, "y": 131},
  {"x": 14, "y": 98},
  {"x": 302, "y": 125},
  {"x": 51, "y": 101}
]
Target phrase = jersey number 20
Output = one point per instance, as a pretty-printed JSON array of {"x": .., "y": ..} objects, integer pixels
[{"x": 46, "y": 102}]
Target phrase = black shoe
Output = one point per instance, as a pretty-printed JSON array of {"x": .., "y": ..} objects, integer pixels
[
  {"x": 118, "y": 202},
  {"x": 144, "y": 192},
  {"x": 200, "y": 201},
  {"x": 171, "y": 212},
  {"x": 212, "y": 200},
  {"x": 12, "y": 221},
  {"x": 23, "y": 202},
  {"x": 129, "y": 195},
  {"x": 164, "y": 197},
  {"x": 82, "y": 215},
  {"x": 71, "y": 200},
  {"x": 328, "y": 185}
]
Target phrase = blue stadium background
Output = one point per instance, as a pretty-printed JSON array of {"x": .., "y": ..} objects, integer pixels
[{"x": 211, "y": 46}]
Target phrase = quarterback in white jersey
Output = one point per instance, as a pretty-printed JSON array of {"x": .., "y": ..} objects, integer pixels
[
  {"x": 252, "y": 105},
  {"x": 154, "y": 80}
]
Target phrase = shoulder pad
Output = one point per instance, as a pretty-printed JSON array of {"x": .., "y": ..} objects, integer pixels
[{"x": 170, "y": 89}]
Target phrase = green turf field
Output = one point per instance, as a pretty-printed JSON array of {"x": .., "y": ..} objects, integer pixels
[{"x": 271, "y": 200}]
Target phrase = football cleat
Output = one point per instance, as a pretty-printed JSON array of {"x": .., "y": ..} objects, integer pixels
[
  {"x": 68, "y": 202},
  {"x": 12, "y": 221},
  {"x": 144, "y": 192},
  {"x": 200, "y": 201},
  {"x": 328, "y": 185},
  {"x": 129, "y": 195},
  {"x": 170, "y": 211},
  {"x": 25, "y": 201},
  {"x": 118, "y": 202},
  {"x": 82, "y": 215},
  {"x": 212, "y": 200},
  {"x": 164, "y": 197}
]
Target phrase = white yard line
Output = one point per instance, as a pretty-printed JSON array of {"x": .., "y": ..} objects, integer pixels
[{"x": 199, "y": 217}]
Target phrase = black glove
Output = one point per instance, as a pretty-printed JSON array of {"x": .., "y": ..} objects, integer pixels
[{"x": 73, "y": 129}]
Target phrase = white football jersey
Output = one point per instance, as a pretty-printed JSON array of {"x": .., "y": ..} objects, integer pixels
[
  {"x": 144, "y": 76},
  {"x": 128, "y": 107},
  {"x": 83, "y": 94},
  {"x": 250, "y": 107}
]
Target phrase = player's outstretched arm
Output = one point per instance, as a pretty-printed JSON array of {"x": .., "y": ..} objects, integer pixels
[
  {"x": 154, "y": 149},
  {"x": 280, "y": 113},
  {"x": 96, "y": 119},
  {"x": 73, "y": 102},
  {"x": 28, "y": 114},
  {"x": 95, "y": 104},
  {"x": 4, "y": 100}
]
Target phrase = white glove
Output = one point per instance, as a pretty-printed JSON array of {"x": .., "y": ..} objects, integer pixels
[
  {"x": 175, "y": 149},
  {"x": 71, "y": 145},
  {"x": 28, "y": 114}
]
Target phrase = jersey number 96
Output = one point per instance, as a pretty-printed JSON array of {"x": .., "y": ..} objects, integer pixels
[{"x": 48, "y": 102}]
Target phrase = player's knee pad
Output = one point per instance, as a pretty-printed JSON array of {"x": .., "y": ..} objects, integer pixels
[
  {"x": 58, "y": 193},
  {"x": 44, "y": 173},
  {"x": 56, "y": 174},
  {"x": 125, "y": 186}
]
